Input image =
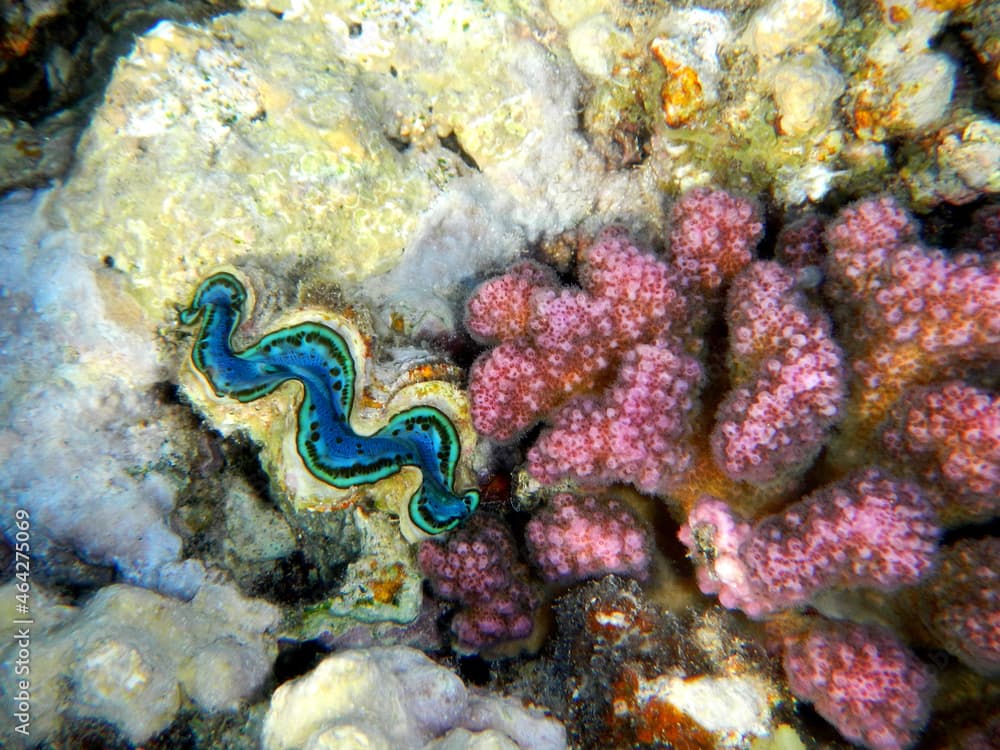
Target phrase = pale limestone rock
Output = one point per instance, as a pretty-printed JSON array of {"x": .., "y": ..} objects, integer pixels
[
  {"x": 132, "y": 656},
  {"x": 922, "y": 90},
  {"x": 905, "y": 87},
  {"x": 805, "y": 89},
  {"x": 115, "y": 676},
  {"x": 735, "y": 708},
  {"x": 84, "y": 442},
  {"x": 596, "y": 45},
  {"x": 396, "y": 697},
  {"x": 974, "y": 155},
  {"x": 299, "y": 141},
  {"x": 569, "y": 13},
  {"x": 463, "y": 739},
  {"x": 784, "y": 25}
]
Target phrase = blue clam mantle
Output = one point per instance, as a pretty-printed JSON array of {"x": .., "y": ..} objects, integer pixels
[{"x": 320, "y": 359}]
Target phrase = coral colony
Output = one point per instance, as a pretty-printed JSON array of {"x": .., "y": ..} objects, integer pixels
[
  {"x": 619, "y": 373},
  {"x": 899, "y": 446},
  {"x": 629, "y": 324}
]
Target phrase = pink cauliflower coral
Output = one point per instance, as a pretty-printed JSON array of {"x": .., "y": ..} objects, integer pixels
[
  {"x": 712, "y": 237},
  {"x": 862, "y": 680},
  {"x": 514, "y": 384},
  {"x": 869, "y": 530},
  {"x": 634, "y": 316},
  {"x": 787, "y": 379},
  {"x": 575, "y": 538},
  {"x": 861, "y": 242},
  {"x": 477, "y": 566},
  {"x": 642, "y": 292},
  {"x": 948, "y": 435},
  {"x": 501, "y": 308},
  {"x": 961, "y": 604},
  {"x": 636, "y": 431},
  {"x": 910, "y": 314},
  {"x": 555, "y": 343}
]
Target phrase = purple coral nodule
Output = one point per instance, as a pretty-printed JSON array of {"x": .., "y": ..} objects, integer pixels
[{"x": 477, "y": 567}]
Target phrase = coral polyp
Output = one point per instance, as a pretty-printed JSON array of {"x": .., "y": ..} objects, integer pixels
[{"x": 320, "y": 359}]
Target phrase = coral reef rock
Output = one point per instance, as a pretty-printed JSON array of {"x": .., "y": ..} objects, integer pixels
[
  {"x": 630, "y": 674},
  {"x": 398, "y": 699},
  {"x": 133, "y": 657},
  {"x": 319, "y": 136},
  {"x": 80, "y": 393}
]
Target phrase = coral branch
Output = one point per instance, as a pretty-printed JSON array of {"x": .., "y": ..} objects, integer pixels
[
  {"x": 575, "y": 538},
  {"x": 948, "y": 436},
  {"x": 787, "y": 378},
  {"x": 863, "y": 681},
  {"x": 912, "y": 314},
  {"x": 869, "y": 530}
]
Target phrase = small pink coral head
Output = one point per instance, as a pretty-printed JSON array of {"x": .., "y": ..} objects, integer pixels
[
  {"x": 638, "y": 431},
  {"x": 800, "y": 244},
  {"x": 477, "y": 566},
  {"x": 510, "y": 389},
  {"x": 715, "y": 538},
  {"x": 865, "y": 233},
  {"x": 643, "y": 294},
  {"x": 574, "y": 538},
  {"x": 558, "y": 345},
  {"x": 713, "y": 235},
  {"x": 863, "y": 680},
  {"x": 910, "y": 314},
  {"x": 501, "y": 308},
  {"x": 869, "y": 530}
]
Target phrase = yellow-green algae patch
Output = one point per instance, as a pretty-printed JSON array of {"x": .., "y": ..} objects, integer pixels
[
  {"x": 321, "y": 137},
  {"x": 217, "y": 141}
]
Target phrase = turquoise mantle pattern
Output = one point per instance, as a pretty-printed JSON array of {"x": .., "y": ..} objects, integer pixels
[{"x": 320, "y": 359}]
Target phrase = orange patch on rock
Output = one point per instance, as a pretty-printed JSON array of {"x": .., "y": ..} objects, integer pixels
[{"x": 637, "y": 718}]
